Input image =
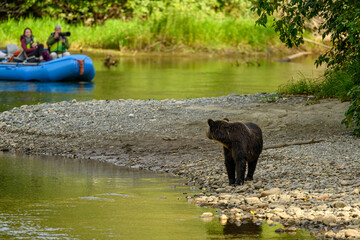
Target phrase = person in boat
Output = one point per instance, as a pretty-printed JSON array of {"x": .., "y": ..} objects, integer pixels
[
  {"x": 2, "y": 55},
  {"x": 32, "y": 47},
  {"x": 58, "y": 44}
]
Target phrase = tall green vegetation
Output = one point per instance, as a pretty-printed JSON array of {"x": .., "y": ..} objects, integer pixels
[
  {"x": 214, "y": 25},
  {"x": 171, "y": 31},
  {"x": 340, "y": 20},
  {"x": 76, "y": 11}
]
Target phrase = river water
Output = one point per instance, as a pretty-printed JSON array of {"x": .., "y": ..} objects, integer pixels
[
  {"x": 161, "y": 77},
  {"x": 48, "y": 198}
]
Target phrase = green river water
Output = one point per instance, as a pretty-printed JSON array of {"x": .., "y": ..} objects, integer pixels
[
  {"x": 48, "y": 198},
  {"x": 162, "y": 77}
]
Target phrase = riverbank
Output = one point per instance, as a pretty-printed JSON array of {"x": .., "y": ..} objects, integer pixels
[
  {"x": 274, "y": 53},
  {"x": 314, "y": 186}
]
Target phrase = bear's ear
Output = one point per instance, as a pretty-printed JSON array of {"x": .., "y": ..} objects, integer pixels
[
  {"x": 226, "y": 119},
  {"x": 211, "y": 122}
]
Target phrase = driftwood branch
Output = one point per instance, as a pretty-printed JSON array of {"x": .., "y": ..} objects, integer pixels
[
  {"x": 285, "y": 144},
  {"x": 317, "y": 43},
  {"x": 291, "y": 57},
  {"x": 297, "y": 55}
]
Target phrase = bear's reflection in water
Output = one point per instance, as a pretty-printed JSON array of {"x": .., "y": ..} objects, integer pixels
[
  {"x": 243, "y": 229},
  {"x": 231, "y": 230}
]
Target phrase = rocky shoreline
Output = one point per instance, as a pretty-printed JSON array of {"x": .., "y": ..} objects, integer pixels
[{"x": 314, "y": 186}]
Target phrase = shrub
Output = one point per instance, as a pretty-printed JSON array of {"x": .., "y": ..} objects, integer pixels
[{"x": 352, "y": 119}]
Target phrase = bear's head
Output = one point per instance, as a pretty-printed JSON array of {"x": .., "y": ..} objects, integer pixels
[{"x": 218, "y": 130}]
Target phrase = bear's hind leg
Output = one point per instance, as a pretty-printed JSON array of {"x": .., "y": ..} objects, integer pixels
[
  {"x": 230, "y": 166},
  {"x": 251, "y": 170}
]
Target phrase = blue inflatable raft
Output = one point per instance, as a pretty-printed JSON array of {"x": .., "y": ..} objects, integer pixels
[{"x": 70, "y": 68}]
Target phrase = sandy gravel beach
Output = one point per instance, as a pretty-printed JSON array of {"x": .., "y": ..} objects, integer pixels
[{"x": 313, "y": 186}]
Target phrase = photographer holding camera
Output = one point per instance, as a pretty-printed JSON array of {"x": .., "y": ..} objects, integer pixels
[{"x": 58, "y": 43}]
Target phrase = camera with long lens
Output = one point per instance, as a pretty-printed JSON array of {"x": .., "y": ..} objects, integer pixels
[{"x": 64, "y": 34}]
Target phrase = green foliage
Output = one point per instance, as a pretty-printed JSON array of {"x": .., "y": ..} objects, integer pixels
[
  {"x": 150, "y": 25},
  {"x": 75, "y": 11},
  {"x": 352, "y": 119},
  {"x": 306, "y": 86},
  {"x": 340, "y": 21},
  {"x": 337, "y": 84},
  {"x": 333, "y": 84},
  {"x": 11, "y": 30}
]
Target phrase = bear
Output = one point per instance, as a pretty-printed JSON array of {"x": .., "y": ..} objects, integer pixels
[{"x": 242, "y": 143}]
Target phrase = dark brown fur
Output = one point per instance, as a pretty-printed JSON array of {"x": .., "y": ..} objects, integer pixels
[{"x": 242, "y": 143}]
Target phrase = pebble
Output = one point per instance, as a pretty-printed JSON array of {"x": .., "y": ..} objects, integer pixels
[
  {"x": 273, "y": 191},
  {"x": 223, "y": 217},
  {"x": 290, "y": 229},
  {"x": 252, "y": 200},
  {"x": 339, "y": 204},
  {"x": 348, "y": 233},
  {"x": 328, "y": 219},
  {"x": 355, "y": 192}
]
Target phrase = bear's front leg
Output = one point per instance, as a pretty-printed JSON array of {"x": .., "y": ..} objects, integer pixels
[
  {"x": 240, "y": 171},
  {"x": 230, "y": 166}
]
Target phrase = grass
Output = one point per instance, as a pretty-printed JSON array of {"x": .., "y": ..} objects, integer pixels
[
  {"x": 333, "y": 84},
  {"x": 304, "y": 86},
  {"x": 172, "y": 30}
]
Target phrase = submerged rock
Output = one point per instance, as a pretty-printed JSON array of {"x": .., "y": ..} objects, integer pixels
[{"x": 207, "y": 215}]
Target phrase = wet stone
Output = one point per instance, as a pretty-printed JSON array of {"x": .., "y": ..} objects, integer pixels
[{"x": 207, "y": 215}]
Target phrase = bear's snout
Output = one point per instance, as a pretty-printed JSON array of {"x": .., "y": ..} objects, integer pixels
[{"x": 208, "y": 134}]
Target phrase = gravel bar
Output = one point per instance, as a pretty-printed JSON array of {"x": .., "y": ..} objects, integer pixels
[{"x": 313, "y": 186}]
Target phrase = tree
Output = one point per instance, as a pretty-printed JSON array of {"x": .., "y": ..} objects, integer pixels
[
  {"x": 340, "y": 21},
  {"x": 73, "y": 11}
]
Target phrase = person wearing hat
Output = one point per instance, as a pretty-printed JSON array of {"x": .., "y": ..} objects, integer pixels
[{"x": 57, "y": 44}]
